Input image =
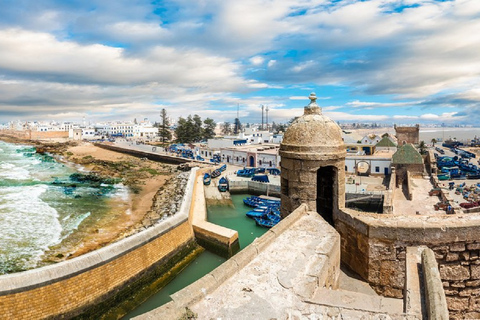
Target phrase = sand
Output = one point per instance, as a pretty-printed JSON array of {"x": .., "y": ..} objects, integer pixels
[{"x": 125, "y": 219}]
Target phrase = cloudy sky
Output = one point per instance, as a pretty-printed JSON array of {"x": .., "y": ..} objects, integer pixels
[{"x": 391, "y": 61}]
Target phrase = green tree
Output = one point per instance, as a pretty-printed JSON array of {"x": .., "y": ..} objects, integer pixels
[
  {"x": 163, "y": 128},
  {"x": 208, "y": 129},
  {"x": 237, "y": 126},
  {"x": 422, "y": 147},
  {"x": 197, "y": 130},
  {"x": 226, "y": 128},
  {"x": 434, "y": 141}
]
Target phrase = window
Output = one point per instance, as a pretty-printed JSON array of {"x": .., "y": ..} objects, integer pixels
[{"x": 377, "y": 169}]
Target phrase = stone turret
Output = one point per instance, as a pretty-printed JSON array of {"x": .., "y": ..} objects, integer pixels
[{"x": 313, "y": 164}]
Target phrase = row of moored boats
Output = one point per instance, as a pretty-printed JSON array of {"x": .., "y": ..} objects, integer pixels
[{"x": 265, "y": 212}]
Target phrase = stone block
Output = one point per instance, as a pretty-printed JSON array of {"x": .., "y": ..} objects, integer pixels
[
  {"x": 475, "y": 272},
  {"x": 451, "y": 292},
  {"x": 392, "y": 273},
  {"x": 474, "y": 303},
  {"x": 457, "y": 247},
  {"x": 465, "y": 255},
  {"x": 454, "y": 272},
  {"x": 468, "y": 292},
  {"x": 472, "y": 315},
  {"x": 473, "y": 283},
  {"x": 451, "y": 256},
  {"x": 457, "y": 304},
  {"x": 457, "y": 284},
  {"x": 473, "y": 246},
  {"x": 473, "y": 255}
]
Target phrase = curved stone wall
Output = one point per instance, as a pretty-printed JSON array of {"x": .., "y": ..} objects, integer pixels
[
  {"x": 374, "y": 246},
  {"x": 75, "y": 286}
]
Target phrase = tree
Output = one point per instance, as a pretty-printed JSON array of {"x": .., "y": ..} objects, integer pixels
[
  {"x": 226, "y": 128},
  {"x": 237, "y": 126},
  {"x": 163, "y": 129},
  {"x": 422, "y": 147},
  {"x": 208, "y": 129},
  {"x": 434, "y": 141},
  {"x": 197, "y": 130}
]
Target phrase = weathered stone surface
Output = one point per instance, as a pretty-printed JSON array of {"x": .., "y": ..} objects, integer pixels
[
  {"x": 474, "y": 303},
  {"x": 458, "y": 285},
  {"x": 457, "y": 247},
  {"x": 457, "y": 304},
  {"x": 465, "y": 255},
  {"x": 452, "y": 257},
  {"x": 454, "y": 272},
  {"x": 475, "y": 271},
  {"x": 474, "y": 283},
  {"x": 469, "y": 292},
  {"x": 473, "y": 246}
]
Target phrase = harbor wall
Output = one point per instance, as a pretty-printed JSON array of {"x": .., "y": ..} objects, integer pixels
[
  {"x": 215, "y": 238},
  {"x": 90, "y": 284},
  {"x": 255, "y": 187},
  {"x": 374, "y": 246}
]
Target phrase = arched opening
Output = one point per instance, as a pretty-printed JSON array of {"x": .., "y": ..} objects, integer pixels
[
  {"x": 251, "y": 161},
  {"x": 228, "y": 159},
  {"x": 325, "y": 192}
]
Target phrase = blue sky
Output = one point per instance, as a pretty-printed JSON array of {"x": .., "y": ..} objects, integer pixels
[{"x": 390, "y": 61}]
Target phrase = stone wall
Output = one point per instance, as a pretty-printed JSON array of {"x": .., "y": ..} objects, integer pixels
[
  {"x": 407, "y": 134},
  {"x": 102, "y": 277},
  {"x": 143, "y": 154},
  {"x": 255, "y": 187},
  {"x": 374, "y": 246}
]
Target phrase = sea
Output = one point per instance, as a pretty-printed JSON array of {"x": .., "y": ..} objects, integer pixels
[
  {"x": 442, "y": 134},
  {"x": 45, "y": 209}
]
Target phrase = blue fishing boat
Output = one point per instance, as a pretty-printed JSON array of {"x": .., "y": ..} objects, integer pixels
[
  {"x": 223, "y": 168},
  {"x": 223, "y": 184},
  {"x": 200, "y": 158},
  {"x": 261, "y": 178},
  {"x": 257, "y": 213},
  {"x": 207, "y": 179},
  {"x": 270, "y": 220}
]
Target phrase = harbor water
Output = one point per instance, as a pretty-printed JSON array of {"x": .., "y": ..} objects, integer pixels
[
  {"x": 231, "y": 217},
  {"x": 44, "y": 214}
]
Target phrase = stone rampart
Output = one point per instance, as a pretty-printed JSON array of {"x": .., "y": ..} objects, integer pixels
[
  {"x": 375, "y": 245},
  {"x": 93, "y": 282},
  {"x": 326, "y": 269}
]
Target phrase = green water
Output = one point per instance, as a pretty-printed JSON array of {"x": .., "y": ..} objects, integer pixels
[{"x": 230, "y": 217}]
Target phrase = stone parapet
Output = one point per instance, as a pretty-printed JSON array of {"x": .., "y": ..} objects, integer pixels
[
  {"x": 375, "y": 247},
  {"x": 102, "y": 277}
]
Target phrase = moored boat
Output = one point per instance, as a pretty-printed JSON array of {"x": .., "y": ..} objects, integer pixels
[
  {"x": 207, "y": 179},
  {"x": 223, "y": 185}
]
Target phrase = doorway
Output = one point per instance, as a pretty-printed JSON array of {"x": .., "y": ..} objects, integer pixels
[
  {"x": 251, "y": 161},
  {"x": 325, "y": 192}
]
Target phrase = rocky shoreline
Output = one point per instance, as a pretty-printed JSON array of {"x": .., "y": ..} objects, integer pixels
[{"x": 156, "y": 191}]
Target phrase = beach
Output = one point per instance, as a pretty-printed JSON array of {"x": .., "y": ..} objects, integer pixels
[{"x": 142, "y": 182}]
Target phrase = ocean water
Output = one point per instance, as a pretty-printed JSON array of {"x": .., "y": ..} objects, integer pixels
[{"x": 41, "y": 207}]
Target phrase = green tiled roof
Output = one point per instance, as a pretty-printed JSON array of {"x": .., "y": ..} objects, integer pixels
[
  {"x": 407, "y": 154},
  {"x": 385, "y": 142}
]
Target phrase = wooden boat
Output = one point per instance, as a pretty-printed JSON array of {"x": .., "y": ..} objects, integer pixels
[
  {"x": 256, "y": 213},
  {"x": 223, "y": 185},
  {"x": 215, "y": 173},
  {"x": 223, "y": 168},
  {"x": 207, "y": 179}
]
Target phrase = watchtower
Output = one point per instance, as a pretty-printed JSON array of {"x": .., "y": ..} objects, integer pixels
[{"x": 313, "y": 164}]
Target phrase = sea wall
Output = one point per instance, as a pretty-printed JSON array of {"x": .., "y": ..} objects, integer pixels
[
  {"x": 142, "y": 154},
  {"x": 90, "y": 284},
  {"x": 375, "y": 246},
  {"x": 215, "y": 238}
]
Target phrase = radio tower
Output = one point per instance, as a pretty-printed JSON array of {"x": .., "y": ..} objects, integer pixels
[
  {"x": 266, "y": 111},
  {"x": 262, "y": 114}
]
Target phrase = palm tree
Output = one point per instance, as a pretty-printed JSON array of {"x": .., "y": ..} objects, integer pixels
[{"x": 434, "y": 141}]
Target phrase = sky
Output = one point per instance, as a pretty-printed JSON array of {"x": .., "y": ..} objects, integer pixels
[{"x": 384, "y": 61}]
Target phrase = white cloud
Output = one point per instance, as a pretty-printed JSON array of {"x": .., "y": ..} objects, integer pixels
[{"x": 257, "y": 60}]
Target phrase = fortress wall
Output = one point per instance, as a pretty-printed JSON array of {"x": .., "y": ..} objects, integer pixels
[
  {"x": 255, "y": 187},
  {"x": 100, "y": 279},
  {"x": 375, "y": 247},
  {"x": 327, "y": 268}
]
